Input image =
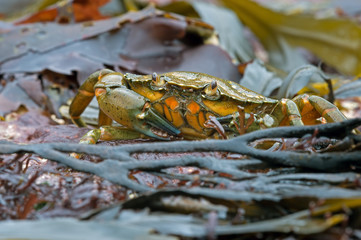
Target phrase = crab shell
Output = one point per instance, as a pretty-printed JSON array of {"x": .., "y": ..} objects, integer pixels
[{"x": 188, "y": 99}]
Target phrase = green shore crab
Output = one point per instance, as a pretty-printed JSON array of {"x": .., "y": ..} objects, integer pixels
[{"x": 182, "y": 105}]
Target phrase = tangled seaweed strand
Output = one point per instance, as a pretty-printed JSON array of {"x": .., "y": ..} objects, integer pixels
[{"x": 118, "y": 160}]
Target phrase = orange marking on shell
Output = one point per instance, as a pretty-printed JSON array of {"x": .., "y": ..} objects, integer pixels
[
  {"x": 201, "y": 118},
  {"x": 167, "y": 113},
  {"x": 193, "y": 107},
  {"x": 193, "y": 122},
  {"x": 221, "y": 108},
  {"x": 177, "y": 119},
  {"x": 145, "y": 91},
  {"x": 172, "y": 102},
  {"x": 99, "y": 91}
]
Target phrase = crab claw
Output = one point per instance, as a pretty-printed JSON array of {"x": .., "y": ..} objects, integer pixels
[
  {"x": 134, "y": 111},
  {"x": 154, "y": 125}
]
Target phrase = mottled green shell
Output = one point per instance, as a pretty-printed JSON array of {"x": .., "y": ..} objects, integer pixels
[{"x": 201, "y": 80}]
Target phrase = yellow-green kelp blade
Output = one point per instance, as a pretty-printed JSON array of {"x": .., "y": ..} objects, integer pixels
[{"x": 337, "y": 41}]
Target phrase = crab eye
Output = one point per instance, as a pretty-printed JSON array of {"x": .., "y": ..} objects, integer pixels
[
  {"x": 157, "y": 81},
  {"x": 155, "y": 77},
  {"x": 211, "y": 91}
]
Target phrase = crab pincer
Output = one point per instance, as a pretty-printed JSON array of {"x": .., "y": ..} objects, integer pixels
[{"x": 134, "y": 111}]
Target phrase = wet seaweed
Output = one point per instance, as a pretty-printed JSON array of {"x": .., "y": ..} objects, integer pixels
[
  {"x": 281, "y": 190},
  {"x": 118, "y": 162}
]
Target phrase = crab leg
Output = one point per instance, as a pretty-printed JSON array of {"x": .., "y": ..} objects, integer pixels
[
  {"x": 324, "y": 108},
  {"x": 103, "y": 119},
  {"x": 84, "y": 96},
  {"x": 107, "y": 133},
  {"x": 287, "y": 113},
  {"x": 290, "y": 109}
]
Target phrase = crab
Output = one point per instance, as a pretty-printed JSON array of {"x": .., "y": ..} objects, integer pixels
[{"x": 182, "y": 105}]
